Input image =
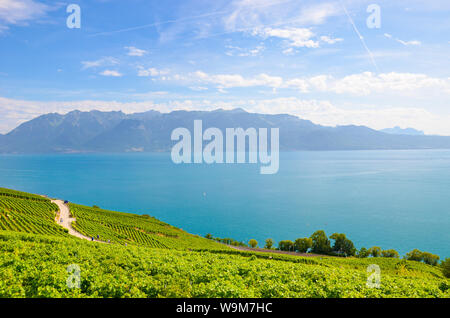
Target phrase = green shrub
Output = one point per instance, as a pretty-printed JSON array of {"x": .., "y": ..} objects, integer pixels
[
  {"x": 375, "y": 251},
  {"x": 363, "y": 253},
  {"x": 286, "y": 245},
  {"x": 414, "y": 255},
  {"x": 430, "y": 259},
  {"x": 390, "y": 253},
  {"x": 253, "y": 243},
  {"x": 321, "y": 243},
  {"x": 269, "y": 244},
  {"x": 342, "y": 245},
  {"x": 446, "y": 267},
  {"x": 302, "y": 245}
]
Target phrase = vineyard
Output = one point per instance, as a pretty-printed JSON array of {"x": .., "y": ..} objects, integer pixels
[
  {"x": 29, "y": 213},
  {"x": 149, "y": 258},
  {"x": 36, "y": 266},
  {"x": 126, "y": 228},
  {"x": 22, "y": 195}
]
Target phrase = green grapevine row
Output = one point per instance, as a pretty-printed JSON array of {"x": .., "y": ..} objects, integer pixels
[
  {"x": 36, "y": 266},
  {"x": 22, "y": 212},
  {"x": 118, "y": 227}
]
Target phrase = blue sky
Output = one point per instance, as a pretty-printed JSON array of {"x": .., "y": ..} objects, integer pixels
[{"x": 315, "y": 59}]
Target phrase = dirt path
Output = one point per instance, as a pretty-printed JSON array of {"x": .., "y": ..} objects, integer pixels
[{"x": 67, "y": 219}]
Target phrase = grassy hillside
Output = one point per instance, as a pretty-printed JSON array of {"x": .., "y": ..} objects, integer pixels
[{"x": 160, "y": 260}]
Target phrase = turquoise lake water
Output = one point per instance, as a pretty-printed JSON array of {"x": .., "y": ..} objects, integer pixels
[{"x": 392, "y": 199}]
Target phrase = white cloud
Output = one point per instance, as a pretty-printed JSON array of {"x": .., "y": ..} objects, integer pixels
[
  {"x": 134, "y": 51},
  {"x": 359, "y": 84},
  {"x": 199, "y": 88},
  {"x": 297, "y": 37},
  {"x": 319, "y": 13},
  {"x": 234, "y": 80},
  {"x": 13, "y": 12},
  {"x": 413, "y": 42},
  {"x": 153, "y": 72},
  {"x": 300, "y": 84},
  {"x": 151, "y": 94},
  {"x": 288, "y": 51},
  {"x": 247, "y": 13},
  {"x": 238, "y": 51},
  {"x": 105, "y": 61},
  {"x": 406, "y": 43},
  {"x": 112, "y": 73},
  {"x": 257, "y": 13},
  {"x": 368, "y": 83},
  {"x": 330, "y": 40}
]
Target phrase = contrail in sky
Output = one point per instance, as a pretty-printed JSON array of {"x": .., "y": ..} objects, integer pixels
[
  {"x": 361, "y": 38},
  {"x": 205, "y": 15}
]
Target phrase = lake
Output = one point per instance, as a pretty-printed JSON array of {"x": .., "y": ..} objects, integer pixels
[{"x": 392, "y": 199}]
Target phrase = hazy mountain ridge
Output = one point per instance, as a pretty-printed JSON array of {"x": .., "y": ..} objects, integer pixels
[
  {"x": 97, "y": 131},
  {"x": 403, "y": 131}
]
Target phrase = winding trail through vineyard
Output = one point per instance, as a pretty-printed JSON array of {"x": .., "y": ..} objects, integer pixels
[{"x": 64, "y": 214}]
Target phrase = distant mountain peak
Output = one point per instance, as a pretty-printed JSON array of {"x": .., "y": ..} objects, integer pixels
[
  {"x": 238, "y": 110},
  {"x": 234, "y": 110},
  {"x": 403, "y": 131}
]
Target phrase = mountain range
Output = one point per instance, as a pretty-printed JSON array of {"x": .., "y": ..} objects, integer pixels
[
  {"x": 403, "y": 131},
  {"x": 150, "y": 131}
]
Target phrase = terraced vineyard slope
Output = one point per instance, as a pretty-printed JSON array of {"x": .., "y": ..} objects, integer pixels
[
  {"x": 126, "y": 228},
  {"x": 149, "y": 258},
  {"x": 30, "y": 213},
  {"x": 23, "y": 212}
]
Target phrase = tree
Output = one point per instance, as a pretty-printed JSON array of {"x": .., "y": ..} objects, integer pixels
[
  {"x": 302, "y": 245},
  {"x": 375, "y": 251},
  {"x": 253, "y": 243},
  {"x": 209, "y": 236},
  {"x": 286, "y": 245},
  {"x": 321, "y": 244},
  {"x": 414, "y": 255},
  {"x": 349, "y": 248},
  {"x": 430, "y": 259},
  {"x": 342, "y": 245},
  {"x": 390, "y": 253},
  {"x": 363, "y": 253},
  {"x": 269, "y": 244},
  {"x": 446, "y": 267}
]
